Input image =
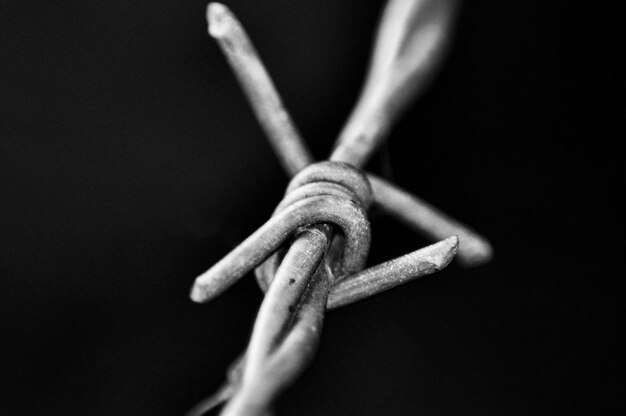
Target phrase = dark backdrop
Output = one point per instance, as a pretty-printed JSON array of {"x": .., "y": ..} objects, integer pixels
[{"x": 130, "y": 162}]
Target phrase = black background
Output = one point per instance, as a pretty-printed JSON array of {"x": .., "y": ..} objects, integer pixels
[{"x": 130, "y": 162}]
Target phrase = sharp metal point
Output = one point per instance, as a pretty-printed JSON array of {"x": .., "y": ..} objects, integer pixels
[{"x": 398, "y": 271}]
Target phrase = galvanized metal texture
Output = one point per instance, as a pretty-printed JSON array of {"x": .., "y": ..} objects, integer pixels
[{"x": 311, "y": 254}]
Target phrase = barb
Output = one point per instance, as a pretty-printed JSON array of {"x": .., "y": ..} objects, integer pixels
[
  {"x": 411, "y": 42},
  {"x": 474, "y": 249},
  {"x": 294, "y": 154},
  {"x": 393, "y": 273},
  {"x": 259, "y": 88},
  {"x": 310, "y": 255}
]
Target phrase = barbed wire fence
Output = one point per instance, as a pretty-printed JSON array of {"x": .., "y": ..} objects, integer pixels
[{"x": 310, "y": 256}]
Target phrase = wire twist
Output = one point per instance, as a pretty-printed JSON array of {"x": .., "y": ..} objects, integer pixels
[
  {"x": 310, "y": 255},
  {"x": 342, "y": 194},
  {"x": 325, "y": 193}
]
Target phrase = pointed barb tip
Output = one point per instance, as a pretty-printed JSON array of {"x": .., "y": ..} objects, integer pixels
[
  {"x": 219, "y": 19},
  {"x": 476, "y": 251},
  {"x": 201, "y": 292},
  {"x": 196, "y": 294},
  {"x": 441, "y": 253}
]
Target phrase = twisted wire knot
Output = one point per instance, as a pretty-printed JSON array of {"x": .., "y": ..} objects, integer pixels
[
  {"x": 339, "y": 195},
  {"x": 324, "y": 194},
  {"x": 310, "y": 255}
]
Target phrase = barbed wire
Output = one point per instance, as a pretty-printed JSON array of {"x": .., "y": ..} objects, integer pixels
[{"x": 310, "y": 256}]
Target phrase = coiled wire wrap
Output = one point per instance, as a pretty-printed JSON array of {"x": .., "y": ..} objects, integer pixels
[
  {"x": 325, "y": 193},
  {"x": 310, "y": 255},
  {"x": 344, "y": 194}
]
